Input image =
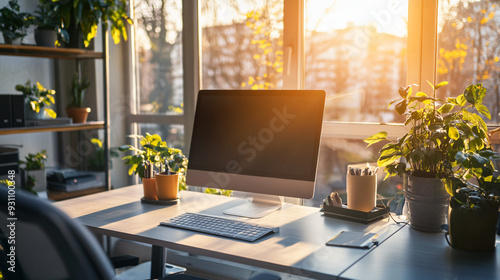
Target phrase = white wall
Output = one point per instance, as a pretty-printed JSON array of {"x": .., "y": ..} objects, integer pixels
[{"x": 17, "y": 70}]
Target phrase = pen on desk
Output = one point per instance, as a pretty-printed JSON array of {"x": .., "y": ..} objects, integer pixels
[
  {"x": 148, "y": 170},
  {"x": 167, "y": 168}
]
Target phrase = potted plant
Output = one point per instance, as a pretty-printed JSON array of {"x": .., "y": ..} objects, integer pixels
[
  {"x": 33, "y": 174},
  {"x": 153, "y": 155},
  {"x": 36, "y": 97},
  {"x": 439, "y": 132},
  {"x": 49, "y": 22},
  {"x": 473, "y": 215},
  {"x": 83, "y": 16},
  {"x": 13, "y": 23},
  {"x": 97, "y": 160},
  {"x": 75, "y": 109}
]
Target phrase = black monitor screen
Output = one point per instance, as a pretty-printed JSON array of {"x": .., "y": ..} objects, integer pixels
[{"x": 272, "y": 133}]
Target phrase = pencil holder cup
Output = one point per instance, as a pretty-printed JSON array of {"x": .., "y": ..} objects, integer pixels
[
  {"x": 167, "y": 186},
  {"x": 361, "y": 192},
  {"x": 149, "y": 187}
]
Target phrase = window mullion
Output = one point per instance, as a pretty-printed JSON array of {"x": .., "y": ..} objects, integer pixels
[
  {"x": 293, "y": 44},
  {"x": 191, "y": 64},
  {"x": 422, "y": 43}
]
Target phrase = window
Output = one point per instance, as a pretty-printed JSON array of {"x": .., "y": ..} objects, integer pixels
[
  {"x": 359, "y": 51},
  {"x": 159, "y": 69},
  {"x": 357, "y": 55},
  {"x": 242, "y": 44},
  {"x": 469, "y": 49}
]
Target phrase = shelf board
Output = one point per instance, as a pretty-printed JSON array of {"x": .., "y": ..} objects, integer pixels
[
  {"x": 47, "y": 52},
  {"x": 52, "y": 128},
  {"x": 60, "y": 195}
]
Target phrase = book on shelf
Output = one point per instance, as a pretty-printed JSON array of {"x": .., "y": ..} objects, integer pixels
[
  {"x": 49, "y": 122},
  {"x": 69, "y": 180}
]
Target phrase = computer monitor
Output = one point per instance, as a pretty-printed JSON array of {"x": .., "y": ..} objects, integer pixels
[{"x": 260, "y": 141}]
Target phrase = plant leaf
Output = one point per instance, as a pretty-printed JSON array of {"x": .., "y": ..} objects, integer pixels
[
  {"x": 453, "y": 133},
  {"x": 432, "y": 86},
  {"x": 52, "y": 114},
  {"x": 461, "y": 100},
  {"x": 376, "y": 138},
  {"x": 483, "y": 110},
  {"x": 441, "y": 84},
  {"x": 446, "y": 108},
  {"x": 401, "y": 107}
]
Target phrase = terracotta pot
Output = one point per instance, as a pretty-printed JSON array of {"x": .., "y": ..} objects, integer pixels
[
  {"x": 167, "y": 186},
  {"x": 149, "y": 186},
  {"x": 79, "y": 115}
]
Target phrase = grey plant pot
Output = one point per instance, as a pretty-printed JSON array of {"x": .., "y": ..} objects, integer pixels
[
  {"x": 427, "y": 203},
  {"x": 10, "y": 41},
  {"x": 45, "y": 37},
  {"x": 40, "y": 179},
  {"x": 32, "y": 115}
]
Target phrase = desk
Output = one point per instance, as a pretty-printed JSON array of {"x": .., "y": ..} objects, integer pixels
[
  {"x": 411, "y": 254},
  {"x": 298, "y": 249}
]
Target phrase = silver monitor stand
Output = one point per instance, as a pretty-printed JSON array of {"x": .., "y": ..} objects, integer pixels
[{"x": 260, "y": 206}]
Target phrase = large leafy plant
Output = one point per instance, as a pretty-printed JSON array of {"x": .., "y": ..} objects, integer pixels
[
  {"x": 38, "y": 96},
  {"x": 86, "y": 14},
  {"x": 445, "y": 136},
  {"x": 14, "y": 23},
  {"x": 156, "y": 152}
]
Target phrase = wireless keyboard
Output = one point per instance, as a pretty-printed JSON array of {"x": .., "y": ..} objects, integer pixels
[{"x": 219, "y": 226}]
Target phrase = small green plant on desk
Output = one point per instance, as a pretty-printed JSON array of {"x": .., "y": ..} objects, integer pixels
[
  {"x": 156, "y": 152},
  {"x": 38, "y": 97},
  {"x": 473, "y": 217},
  {"x": 13, "y": 23}
]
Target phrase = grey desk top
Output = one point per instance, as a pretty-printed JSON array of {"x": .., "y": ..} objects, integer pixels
[
  {"x": 411, "y": 254},
  {"x": 299, "y": 248}
]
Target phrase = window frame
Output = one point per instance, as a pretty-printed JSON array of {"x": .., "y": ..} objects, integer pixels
[{"x": 422, "y": 45}]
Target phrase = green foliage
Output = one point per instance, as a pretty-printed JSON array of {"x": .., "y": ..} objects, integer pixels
[
  {"x": 86, "y": 15},
  {"x": 13, "y": 23},
  {"x": 445, "y": 136},
  {"x": 48, "y": 16},
  {"x": 218, "y": 192},
  {"x": 96, "y": 161},
  {"x": 38, "y": 96},
  {"x": 78, "y": 87},
  {"x": 155, "y": 151},
  {"x": 35, "y": 161}
]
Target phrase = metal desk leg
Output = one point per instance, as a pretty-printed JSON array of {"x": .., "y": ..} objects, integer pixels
[{"x": 157, "y": 262}]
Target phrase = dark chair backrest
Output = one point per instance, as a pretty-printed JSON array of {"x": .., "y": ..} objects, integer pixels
[{"x": 48, "y": 243}]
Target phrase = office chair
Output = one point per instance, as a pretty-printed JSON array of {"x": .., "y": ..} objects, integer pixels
[{"x": 49, "y": 244}]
